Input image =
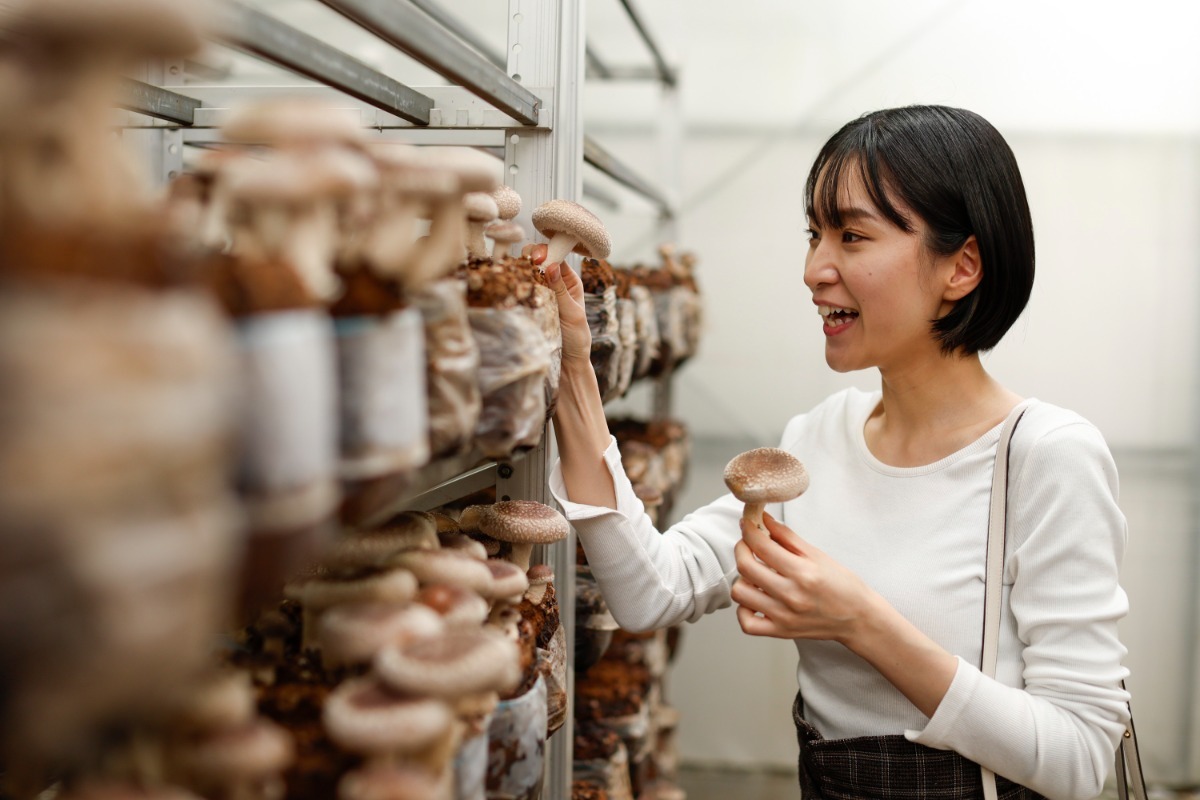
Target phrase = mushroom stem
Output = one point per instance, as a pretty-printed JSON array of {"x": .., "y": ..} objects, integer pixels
[
  {"x": 754, "y": 512},
  {"x": 560, "y": 245},
  {"x": 476, "y": 243},
  {"x": 521, "y": 553}
]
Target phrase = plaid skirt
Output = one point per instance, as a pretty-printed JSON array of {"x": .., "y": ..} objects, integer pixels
[{"x": 888, "y": 768}]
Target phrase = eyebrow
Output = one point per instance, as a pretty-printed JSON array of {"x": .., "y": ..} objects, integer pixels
[{"x": 851, "y": 213}]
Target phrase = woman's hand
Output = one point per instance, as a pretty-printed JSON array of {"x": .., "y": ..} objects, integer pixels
[
  {"x": 568, "y": 289},
  {"x": 790, "y": 589}
]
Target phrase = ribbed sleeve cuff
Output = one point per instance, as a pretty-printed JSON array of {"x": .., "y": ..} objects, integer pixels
[{"x": 939, "y": 732}]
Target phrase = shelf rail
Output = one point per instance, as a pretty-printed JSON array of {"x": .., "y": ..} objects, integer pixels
[
  {"x": 154, "y": 101},
  {"x": 665, "y": 73},
  {"x": 265, "y": 37},
  {"x": 602, "y": 160},
  {"x": 412, "y": 31}
]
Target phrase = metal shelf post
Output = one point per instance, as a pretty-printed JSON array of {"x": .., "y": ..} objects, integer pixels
[{"x": 546, "y": 49}]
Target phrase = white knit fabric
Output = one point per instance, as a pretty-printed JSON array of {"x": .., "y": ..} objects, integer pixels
[{"x": 1052, "y": 718}]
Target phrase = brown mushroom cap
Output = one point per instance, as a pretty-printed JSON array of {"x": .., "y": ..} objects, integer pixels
[
  {"x": 143, "y": 28},
  {"x": 109, "y": 789},
  {"x": 507, "y": 201},
  {"x": 476, "y": 171},
  {"x": 379, "y": 781},
  {"x": 354, "y": 633},
  {"x": 480, "y": 207},
  {"x": 253, "y": 750},
  {"x": 363, "y": 716},
  {"x": 450, "y": 666},
  {"x": 391, "y": 586},
  {"x": 446, "y": 566},
  {"x": 509, "y": 581},
  {"x": 292, "y": 121},
  {"x": 504, "y": 232},
  {"x": 766, "y": 475},
  {"x": 523, "y": 522},
  {"x": 458, "y": 607},
  {"x": 223, "y": 699},
  {"x": 564, "y": 217}
]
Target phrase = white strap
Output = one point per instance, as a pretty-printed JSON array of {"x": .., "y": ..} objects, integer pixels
[
  {"x": 994, "y": 569},
  {"x": 1129, "y": 778}
]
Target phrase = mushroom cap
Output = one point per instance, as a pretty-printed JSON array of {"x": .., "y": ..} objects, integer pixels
[
  {"x": 340, "y": 171},
  {"x": 353, "y": 633},
  {"x": 476, "y": 171},
  {"x": 446, "y": 566},
  {"x": 507, "y": 201},
  {"x": 275, "y": 178},
  {"x": 457, "y": 606},
  {"x": 766, "y": 475},
  {"x": 509, "y": 580},
  {"x": 563, "y": 216},
  {"x": 454, "y": 664},
  {"x": 407, "y": 531},
  {"x": 222, "y": 699},
  {"x": 540, "y": 574},
  {"x": 463, "y": 543},
  {"x": 143, "y": 28},
  {"x": 480, "y": 207},
  {"x": 380, "y": 781},
  {"x": 293, "y": 121},
  {"x": 256, "y": 749},
  {"x": 504, "y": 232},
  {"x": 110, "y": 789},
  {"x": 523, "y": 522},
  {"x": 391, "y": 586},
  {"x": 363, "y": 716}
]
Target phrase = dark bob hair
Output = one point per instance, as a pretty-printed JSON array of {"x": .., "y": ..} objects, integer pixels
[{"x": 955, "y": 171}]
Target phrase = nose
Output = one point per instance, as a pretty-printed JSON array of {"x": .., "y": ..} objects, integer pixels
[{"x": 820, "y": 266}]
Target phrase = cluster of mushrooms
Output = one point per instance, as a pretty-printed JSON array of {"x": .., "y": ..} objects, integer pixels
[
  {"x": 209, "y": 392},
  {"x": 645, "y": 322}
]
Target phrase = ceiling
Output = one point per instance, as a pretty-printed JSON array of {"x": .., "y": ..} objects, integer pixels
[{"x": 1070, "y": 66}]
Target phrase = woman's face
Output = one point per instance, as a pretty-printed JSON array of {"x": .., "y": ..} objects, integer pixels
[{"x": 876, "y": 286}]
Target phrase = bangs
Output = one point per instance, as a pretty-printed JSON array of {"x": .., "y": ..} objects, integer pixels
[{"x": 843, "y": 161}]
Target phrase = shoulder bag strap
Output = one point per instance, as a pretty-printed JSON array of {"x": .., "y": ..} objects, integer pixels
[
  {"x": 1129, "y": 778},
  {"x": 994, "y": 569}
]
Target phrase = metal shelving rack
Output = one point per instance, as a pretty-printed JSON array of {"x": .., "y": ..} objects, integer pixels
[{"x": 524, "y": 104}]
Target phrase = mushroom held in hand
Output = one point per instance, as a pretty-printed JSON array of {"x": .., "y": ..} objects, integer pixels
[
  {"x": 570, "y": 226},
  {"x": 765, "y": 475}
]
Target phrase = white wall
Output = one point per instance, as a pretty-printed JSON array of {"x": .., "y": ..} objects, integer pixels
[{"x": 1111, "y": 332}]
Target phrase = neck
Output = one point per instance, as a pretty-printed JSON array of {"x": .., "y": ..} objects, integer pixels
[{"x": 932, "y": 410}]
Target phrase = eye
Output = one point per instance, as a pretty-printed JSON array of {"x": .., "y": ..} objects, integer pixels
[
  {"x": 811, "y": 235},
  {"x": 849, "y": 237}
]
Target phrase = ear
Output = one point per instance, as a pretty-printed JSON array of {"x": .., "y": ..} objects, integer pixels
[{"x": 967, "y": 271}]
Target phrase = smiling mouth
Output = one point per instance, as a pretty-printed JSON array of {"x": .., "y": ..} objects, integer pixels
[{"x": 836, "y": 317}]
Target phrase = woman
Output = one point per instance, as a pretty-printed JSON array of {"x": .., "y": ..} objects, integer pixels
[{"x": 920, "y": 257}]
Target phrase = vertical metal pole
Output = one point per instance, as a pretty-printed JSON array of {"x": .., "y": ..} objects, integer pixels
[
  {"x": 546, "y": 54},
  {"x": 160, "y": 149}
]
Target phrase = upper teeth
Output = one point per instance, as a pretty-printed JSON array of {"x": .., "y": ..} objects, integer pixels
[{"x": 825, "y": 311}]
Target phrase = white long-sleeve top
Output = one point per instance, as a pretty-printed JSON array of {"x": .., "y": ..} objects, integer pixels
[{"x": 1052, "y": 717}]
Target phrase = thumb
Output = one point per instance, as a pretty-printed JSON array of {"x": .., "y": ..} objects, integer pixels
[
  {"x": 785, "y": 537},
  {"x": 564, "y": 281}
]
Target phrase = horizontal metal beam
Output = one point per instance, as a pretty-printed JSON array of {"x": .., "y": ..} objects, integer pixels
[
  {"x": 154, "y": 101},
  {"x": 454, "y": 108},
  {"x": 264, "y": 36},
  {"x": 410, "y": 30},
  {"x": 665, "y": 73},
  {"x": 599, "y": 158}
]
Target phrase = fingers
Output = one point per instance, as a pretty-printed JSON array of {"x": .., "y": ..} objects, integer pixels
[
  {"x": 564, "y": 281},
  {"x": 755, "y": 625},
  {"x": 535, "y": 252},
  {"x": 786, "y": 537}
]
